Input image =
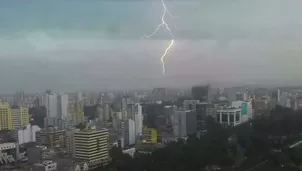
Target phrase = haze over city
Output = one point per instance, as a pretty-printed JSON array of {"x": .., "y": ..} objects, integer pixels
[{"x": 76, "y": 45}]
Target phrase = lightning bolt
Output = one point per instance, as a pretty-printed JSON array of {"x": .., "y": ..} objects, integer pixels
[{"x": 166, "y": 26}]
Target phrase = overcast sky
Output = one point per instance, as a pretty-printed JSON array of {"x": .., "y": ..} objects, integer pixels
[{"x": 69, "y": 45}]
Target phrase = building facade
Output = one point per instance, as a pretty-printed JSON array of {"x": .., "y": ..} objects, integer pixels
[
  {"x": 92, "y": 146},
  {"x": 5, "y": 117}
]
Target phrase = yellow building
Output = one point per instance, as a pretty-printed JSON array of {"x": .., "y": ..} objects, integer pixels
[
  {"x": 20, "y": 117},
  {"x": 149, "y": 135},
  {"x": 5, "y": 117}
]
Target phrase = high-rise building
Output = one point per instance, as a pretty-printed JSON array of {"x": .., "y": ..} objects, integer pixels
[
  {"x": 5, "y": 117},
  {"x": 159, "y": 93},
  {"x": 50, "y": 101},
  {"x": 92, "y": 146},
  {"x": 190, "y": 104},
  {"x": 138, "y": 117},
  {"x": 127, "y": 131},
  {"x": 20, "y": 117},
  {"x": 19, "y": 99},
  {"x": 106, "y": 112},
  {"x": 63, "y": 106},
  {"x": 184, "y": 123},
  {"x": 168, "y": 112},
  {"x": 201, "y": 93}
]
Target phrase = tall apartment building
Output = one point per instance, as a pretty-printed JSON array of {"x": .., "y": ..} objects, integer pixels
[
  {"x": 50, "y": 102},
  {"x": 91, "y": 146},
  {"x": 20, "y": 117},
  {"x": 138, "y": 118},
  {"x": 127, "y": 131},
  {"x": 184, "y": 123},
  {"x": 5, "y": 117},
  {"x": 63, "y": 106}
]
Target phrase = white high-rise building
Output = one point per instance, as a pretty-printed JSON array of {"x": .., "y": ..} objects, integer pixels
[
  {"x": 138, "y": 117},
  {"x": 50, "y": 102},
  {"x": 63, "y": 106},
  {"x": 128, "y": 132}
]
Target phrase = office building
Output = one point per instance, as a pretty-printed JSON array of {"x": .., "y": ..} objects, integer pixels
[
  {"x": 184, "y": 123},
  {"x": 63, "y": 106},
  {"x": 69, "y": 142},
  {"x": 91, "y": 146},
  {"x": 20, "y": 117},
  {"x": 201, "y": 93},
  {"x": 138, "y": 118},
  {"x": 27, "y": 134},
  {"x": 229, "y": 116},
  {"x": 50, "y": 101},
  {"x": 168, "y": 113},
  {"x": 201, "y": 113},
  {"x": 51, "y": 137},
  {"x": 5, "y": 117},
  {"x": 127, "y": 131},
  {"x": 190, "y": 105},
  {"x": 159, "y": 93},
  {"x": 149, "y": 135},
  {"x": 246, "y": 109}
]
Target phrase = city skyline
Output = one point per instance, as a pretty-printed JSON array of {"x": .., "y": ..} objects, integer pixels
[{"x": 96, "y": 45}]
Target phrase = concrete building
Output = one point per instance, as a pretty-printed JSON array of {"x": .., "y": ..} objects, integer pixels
[
  {"x": 91, "y": 146},
  {"x": 201, "y": 92},
  {"x": 229, "y": 116},
  {"x": 20, "y": 117},
  {"x": 138, "y": 118},
  {"x": 184, "y": 123},
  {"x": 47, "y": 165},
  {"x": 8, "y": 153},
  {"x": 149, "y": 135},
  {"x": 63, "y": 106},
  {"x": 168, "y": 113},
  {"x": 190, "y": 105},
  {"x": 28, "y": 134},
  {"x": 246, "y": 109},
  {"x": 5, "y": 117},
  {"x": 51, "y": 137},
  {"x": 127, "y": 132},
  {"x": 50, "y": 101},
  {"x": 69, "y": 141}
]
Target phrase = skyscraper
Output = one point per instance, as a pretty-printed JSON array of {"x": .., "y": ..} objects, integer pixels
[
  {"x": 50, "y": 101},
  {"x": 138, "y": 117},
  {"x": 63, "y": 106},
  {"x": 201, "y": 93},
  {"x": 184, "y": 123}
]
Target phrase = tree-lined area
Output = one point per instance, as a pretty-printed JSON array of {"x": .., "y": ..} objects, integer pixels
[{"x": 240, "y": 147}]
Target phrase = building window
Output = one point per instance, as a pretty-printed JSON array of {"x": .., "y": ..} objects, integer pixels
[
  {"x": 218, "y": 117},
  {"x": 237, "y": 117},
  {"x": 232, "y": 118},
  {"x": 224, "y": 118}
]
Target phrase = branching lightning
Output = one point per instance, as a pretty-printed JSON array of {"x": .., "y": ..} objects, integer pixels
[{"x": 166, "y": 26}]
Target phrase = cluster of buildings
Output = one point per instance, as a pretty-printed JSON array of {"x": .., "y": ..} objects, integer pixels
[{"x": 78, "y": 130}]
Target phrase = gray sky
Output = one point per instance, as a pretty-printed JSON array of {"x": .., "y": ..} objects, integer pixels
[{"x": 95, "y": 44}]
